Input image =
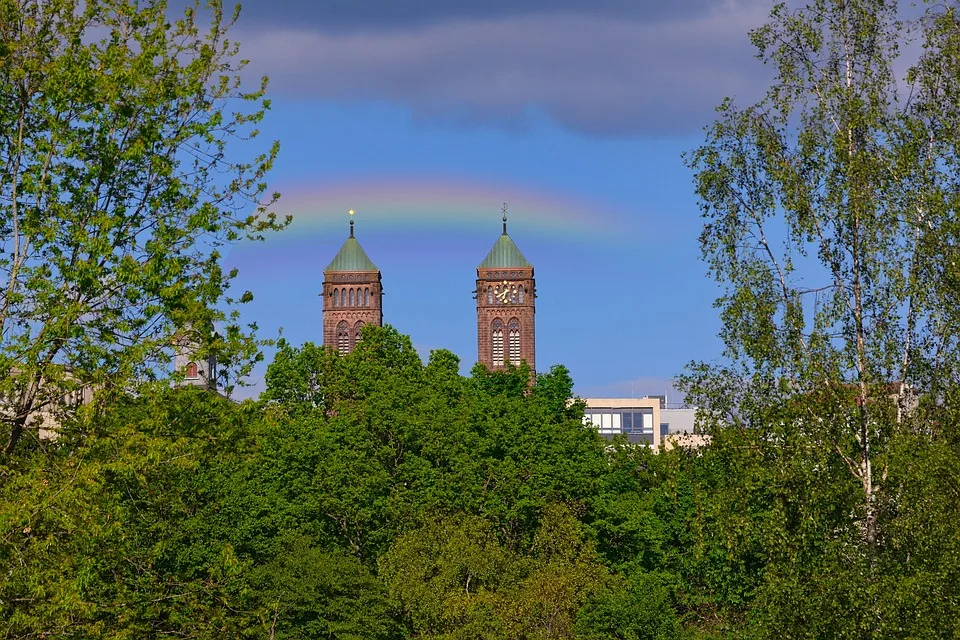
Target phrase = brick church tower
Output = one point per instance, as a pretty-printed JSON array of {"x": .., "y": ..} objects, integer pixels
[
  {"x": 506, "y": 295},
  {"x": 352, "y": 295}
]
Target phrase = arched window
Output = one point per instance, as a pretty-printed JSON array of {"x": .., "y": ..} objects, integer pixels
[
  {"x": 357, "y": 332},
  {"x": 513, "y": 295},
  {"x": 343, "y": 337},
  {"x": 192, "y": 371},
  {"x": 336, "y": 298},
  {"x": 343, "y": 297},
  {"x": 520, "y": 293},
  {"x": 351, "y": 297},
  {"x": 514, "y": 330},
  {"x": 366, "y": 297},
  {"x": 497, "y": 344},
  {"x": 489, "y": 294}
]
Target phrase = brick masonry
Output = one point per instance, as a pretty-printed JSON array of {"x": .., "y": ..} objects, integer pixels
[
  {"x": 524, "y": 312},
  {"x": 335, "y": 282}
]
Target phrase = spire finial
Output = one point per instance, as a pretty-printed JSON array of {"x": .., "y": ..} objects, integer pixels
[
  {"x": 504, "y": 218},
  {"x": 351, "y": 212}
]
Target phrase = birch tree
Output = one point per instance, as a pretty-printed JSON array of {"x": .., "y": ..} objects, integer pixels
[{"x": 830, "y": 211}]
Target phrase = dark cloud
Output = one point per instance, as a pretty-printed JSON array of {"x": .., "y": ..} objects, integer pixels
[
  {"x": 596, "y": 73},
  {"x": 331, "y": 15}
]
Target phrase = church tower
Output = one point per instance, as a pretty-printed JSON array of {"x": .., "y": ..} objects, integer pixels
[
  {"x": 198, "y": 371},
  {"x": 506, "y": 295},
  {"x": 352, "y": 295}
]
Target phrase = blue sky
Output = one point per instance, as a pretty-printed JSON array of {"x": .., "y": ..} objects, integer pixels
[{"x": 417, "y": 113}]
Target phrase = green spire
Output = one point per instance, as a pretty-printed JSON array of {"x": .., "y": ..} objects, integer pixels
[
  {"x": 351, "y": 256},
  {"x": 504, "y": 254}
]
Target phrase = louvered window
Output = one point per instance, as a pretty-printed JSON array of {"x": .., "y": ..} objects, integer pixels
[
  {"x": 514, "y": 330},
  {"x": 343, "y": 337},
  {"x": 497, "y": 345}
]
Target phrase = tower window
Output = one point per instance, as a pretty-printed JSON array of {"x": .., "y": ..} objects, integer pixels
[
  {"x": 357, "y": 332},
  {"x": 343, "y": 297},
  {"x": 520, "y": 293},
  {"x": 366, "y": 297},
  {"x": 343, "y": 337},
  {"x": 336, "y": 298},
  {"x": 514, "y": 329},
  {"x": 192, "y": 370},
  {"x": 489, "y": 294},
  {"x": 351, "y": 297},
  {"x": 497, "y": 345}
]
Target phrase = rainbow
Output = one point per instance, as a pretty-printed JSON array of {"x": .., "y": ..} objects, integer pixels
[{"x": 410, "y": 203}]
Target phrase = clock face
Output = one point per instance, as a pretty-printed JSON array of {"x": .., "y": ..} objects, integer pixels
[{"x": 504, "y": 294}]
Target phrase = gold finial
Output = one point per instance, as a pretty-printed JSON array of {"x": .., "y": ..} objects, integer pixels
[
  {"x": 351, "y": 212},
  {"x": 504, "y": 218}
]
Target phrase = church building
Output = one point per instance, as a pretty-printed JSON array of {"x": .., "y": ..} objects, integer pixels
[
  {"x": 352, "y": 295},
  {"x": 505, "y": 294},
  {"x": 505, "y": 306}
]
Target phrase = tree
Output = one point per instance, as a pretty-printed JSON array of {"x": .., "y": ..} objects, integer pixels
[
  {"x": 454, "y": 578},
  {"x": 121, "y": 532},
  {"x": 830, "y": 213},
  {"x": 119, "y": 181},
  {"x": 830, "y": 218}
]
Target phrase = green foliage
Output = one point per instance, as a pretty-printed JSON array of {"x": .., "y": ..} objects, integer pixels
[
  {"x": 455, "y": 579},
  {"x": 120, "y": 180},
  {"x": 105, "y": 538},
  {"x": 321, "y": 594},
  {"x": 830, "y": 220},
  {"x": 373, "y": 496},
  {"x": 635, "y": 607}
]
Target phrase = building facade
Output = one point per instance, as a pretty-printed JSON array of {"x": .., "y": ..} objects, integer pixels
[
  {"x": 352, "y": 295},
  {"x": 506, "y": 304},
  {"x": 638, "y": 419}
]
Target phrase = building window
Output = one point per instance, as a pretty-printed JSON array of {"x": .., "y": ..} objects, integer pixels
[
  {"x": 636, "y": 422},
  {"x": 489, "y": 294},
  {"x": 351, "y": 297},
  {"x": 497, "y": 346},
  {"x": 520, "y": 292},
  {"x": 343, "y": 297},
  {"x": 366, "y": 297},
  {"x": 514, "y": 328},
  {"x": 357, "y": 332},
  {"x": 192, "y": 370},
  {"x": 343, "y": 337}
]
